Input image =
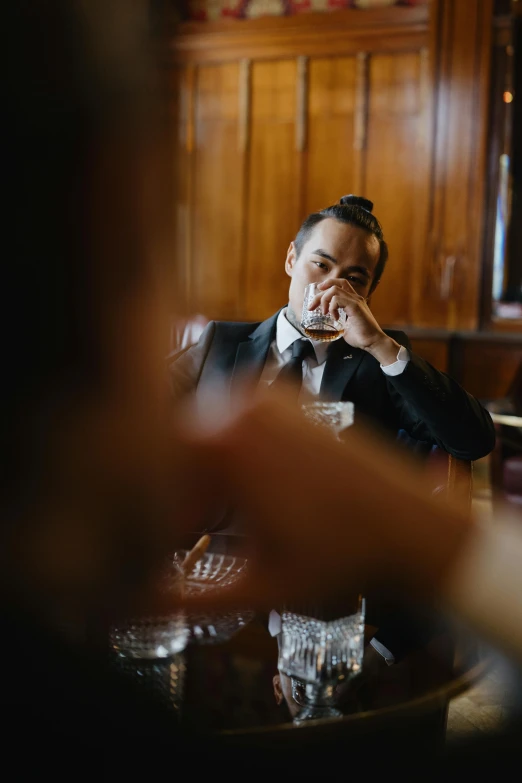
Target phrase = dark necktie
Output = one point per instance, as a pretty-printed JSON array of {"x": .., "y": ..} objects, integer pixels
[{"x": 291, "y": 375}]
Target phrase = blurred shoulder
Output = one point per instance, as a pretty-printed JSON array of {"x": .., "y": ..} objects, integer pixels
[{"x": 239, "y": 330}]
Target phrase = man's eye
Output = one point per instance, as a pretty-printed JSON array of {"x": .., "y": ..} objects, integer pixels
[
  {"x": 321, "y": 265},
  {"x": 355, "y": 280}
]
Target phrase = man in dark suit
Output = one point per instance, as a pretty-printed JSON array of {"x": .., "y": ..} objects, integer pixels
[{"x": 342, "y": 249}]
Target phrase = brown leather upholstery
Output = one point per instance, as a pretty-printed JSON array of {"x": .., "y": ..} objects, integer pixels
[{"x": 451, "y": 476}]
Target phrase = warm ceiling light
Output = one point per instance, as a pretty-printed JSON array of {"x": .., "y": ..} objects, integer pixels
[{"x": 508, "y": 97}]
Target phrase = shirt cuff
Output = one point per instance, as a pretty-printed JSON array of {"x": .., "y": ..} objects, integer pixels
[
  {"x": 382, "y": 650},
  {"x": 398, "y": 367},
  {"x": 274, "y": 623}
]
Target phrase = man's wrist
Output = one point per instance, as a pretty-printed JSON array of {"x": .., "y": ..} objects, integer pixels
[{"x": 384, "y": 349}]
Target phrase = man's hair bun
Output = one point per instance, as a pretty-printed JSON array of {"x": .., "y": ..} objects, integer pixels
[{"x": 356, "y": 201}]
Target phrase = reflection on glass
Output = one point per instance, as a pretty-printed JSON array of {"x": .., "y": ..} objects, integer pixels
[{"x": 163, "y": 679}]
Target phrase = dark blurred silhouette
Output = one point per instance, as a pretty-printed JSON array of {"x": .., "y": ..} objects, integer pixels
[{"x": 89, "y": 473}]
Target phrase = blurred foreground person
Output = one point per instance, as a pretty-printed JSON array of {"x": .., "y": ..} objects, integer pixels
[
  {"x": 89, "y": 473},
  {"x": 423, "y": 543}
]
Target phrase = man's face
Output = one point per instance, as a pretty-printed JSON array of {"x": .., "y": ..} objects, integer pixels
[{"x": 334, "y": 249}]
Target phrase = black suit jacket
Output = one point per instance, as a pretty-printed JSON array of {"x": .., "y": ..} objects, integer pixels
[
  {"x": 424, "y": 403},
  {"x": 427, "y": 405}
]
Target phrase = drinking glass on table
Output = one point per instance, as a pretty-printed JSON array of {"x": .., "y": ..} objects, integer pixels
[
  {"x": 150, "y": 651},
  {"x": 316, "y": 325},
  {"x": 318, "y": 656},
  {"x": 154, "y": 637},
  {"x": 335, "y": 416}
]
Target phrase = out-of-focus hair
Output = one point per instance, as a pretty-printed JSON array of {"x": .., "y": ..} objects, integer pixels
[{"x": 76, "y": 72}]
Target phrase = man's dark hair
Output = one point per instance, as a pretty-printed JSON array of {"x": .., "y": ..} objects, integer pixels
[{"x": 355, "y": 211}]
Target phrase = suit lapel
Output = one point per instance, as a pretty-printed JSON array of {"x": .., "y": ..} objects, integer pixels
[
  {"x": 341, "y": 364},
  {"x": 251, "y": 355}
]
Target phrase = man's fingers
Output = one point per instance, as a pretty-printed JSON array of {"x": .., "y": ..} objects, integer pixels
[
  {"x": 339, "y": 282},
  {"x": 334, "y": 307},
  {"x": 342, "y": 300}
]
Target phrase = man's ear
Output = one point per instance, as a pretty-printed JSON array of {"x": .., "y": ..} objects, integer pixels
[
  {"x": 278, "y": 690},
  {"x": 291, "y": 258}
]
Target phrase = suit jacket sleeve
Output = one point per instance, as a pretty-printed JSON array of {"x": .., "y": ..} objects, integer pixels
[
  {"x": 433, "y": 407},
  {"x": 185, "y": 367}
]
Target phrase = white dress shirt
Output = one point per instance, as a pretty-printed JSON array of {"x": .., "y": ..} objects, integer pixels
[{"x": 279, "y": 354}]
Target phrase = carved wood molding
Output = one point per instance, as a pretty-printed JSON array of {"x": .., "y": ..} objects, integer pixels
[{"x": 342, "y": 32}]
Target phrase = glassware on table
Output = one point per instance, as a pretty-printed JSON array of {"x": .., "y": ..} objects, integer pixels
[
  {"x": 335, "y": 416},
  {"x": 316, "y": 325},
  {"x": 150, "y": 638},
  {"x": 211, "y": 571},
  {"x": 154, "y": 637},
  {"x": 149, "y": 651},
  {"x": 159, "y": 670},
  {"x": 214, "y": 571},
  {"x": 318, "y": 656}
]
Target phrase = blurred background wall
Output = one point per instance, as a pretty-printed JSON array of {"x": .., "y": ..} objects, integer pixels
[{"x": 280, "y": 107}]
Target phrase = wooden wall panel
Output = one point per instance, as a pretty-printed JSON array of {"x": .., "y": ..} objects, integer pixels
[
  {"x": 217, "y": 198},
  {"x": 461, "y": 54},
  {"x": 397, "y": 176},
  {"x": 180, "y": 106},
  {"x": 417, "y": 152},
  {"x": 331, "y": 115},
  {"x": 436, "y": 352},
  {"x": 486, "y": 367},
  {"x": 273, "y": 194}
]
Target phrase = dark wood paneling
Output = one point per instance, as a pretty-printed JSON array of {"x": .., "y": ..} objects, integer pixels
[
  {"x": 484, "y": 363},
  {"x": 181, "y": 108},
  {"x": 461, "y": 48},
  {"x": 273, "y": 200},
  {"x": 397, "y": 175},
  {"x": 436, "y": 352},
  {"x": 486, "y": 367},
  {"x": 341, "y": 102},
  {"x": 331, "y": 118},
  {"x": 216, "y": 215}
]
